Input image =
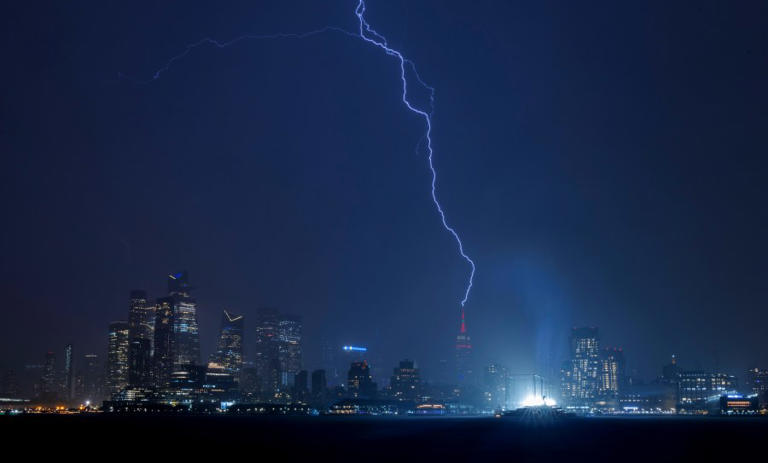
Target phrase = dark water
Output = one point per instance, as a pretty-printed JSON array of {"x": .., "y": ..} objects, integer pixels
[{"x": 223, "y": 438}]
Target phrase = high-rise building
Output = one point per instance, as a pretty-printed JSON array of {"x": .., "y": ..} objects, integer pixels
[
  {"x": 319, "y": 383},
  {"x": 580, "y": 374},
  {"x": 496, "y": 387},
  {"x": 265, "y": 359},
  {"x": 301, "y": 386},
  {"x": 405, "y": 383},
  {"x": 185, "y": 328},
  {"x": 48, "y": 387},
  {"x": 117, "y": 357},
  {"x": 277, "y": 353},
  {"x": 290, "y": 348},
  {"x": 229, "y": 349},
  {"x": 611, "y": 373},
  {"x": 757, "y": 382},
  {"x": 69, "y": 373},
  {"x": 163, "y": 344},
  {"x": 359, "y": 381},
  {"x": 141, "y": 316},
  {"x": 141, "y": 333},
  {"x": 463, "y": 352},
  {"x": 90, "y": 379}
]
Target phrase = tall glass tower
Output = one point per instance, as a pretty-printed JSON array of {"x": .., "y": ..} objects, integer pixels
[
  {"x": 185, "y": 329},
  {"x": 117, "y": 357},
  {"x": 141, "y": 333},
  {"x": 229, "y": 349}
]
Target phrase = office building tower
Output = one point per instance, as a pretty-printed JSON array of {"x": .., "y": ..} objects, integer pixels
[
  {"x": 141, "y": 317},
  {"x": 90, "y": 379},
  {"x": 186, "y": 349},
  {"x": 277, "y": 353},
  {"x": 301, "y": 386},
  {"x": 495, "y": 387},
  {"x": 359, "y": 381},
  {"x": 141, "y": 333},
  {"x": 265, "y": 359},
  {"x": 463, "y": 352},
  {"x": 319, "y": 383},
  {"x": 69, "y": 373},
  {"x": 289, "y": 351},
  {"x": 670, "y": 371},
  {"x": 757, "y": 383},
  {"x": 405, "y": 383},
  {"x": 229, "y": 348},
  {"x": 611, "y": 373},
  {"x": 48, "y": 386},
  {"x": 163, "y": 344},
  {"x": 581, "y": 373},
  {"x": 117, "y": 357},
  {"x": 9, "y": 384}
]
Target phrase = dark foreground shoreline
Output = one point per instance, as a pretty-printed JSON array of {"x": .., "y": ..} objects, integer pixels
[{"x": 391, "y": 439}]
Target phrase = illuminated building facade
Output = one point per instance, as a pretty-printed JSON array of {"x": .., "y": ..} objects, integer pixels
[
  {"x": 359, "y": 381},
  {"x": 141, "y": 333},
  {"x": 580, "y": 376},
  {"x": 463, "y": 352},
  {"x": 229, "y": 349},
  {"x": 162, "y": 358},
  {"x": 186, "y": 349},
  {"x": 611, "y": 373},
  {"x": 289, "y": 348},
  {"x": 696, "y": 387},
  {"x": 278, "y": 353},
  {"x": 405, "y": 383},
  {"x": 117, "y": 357},
  {"x": 69, "y": 373},
  {"x": 757, "y": 382},
  {"x": 495, "y": 387}
]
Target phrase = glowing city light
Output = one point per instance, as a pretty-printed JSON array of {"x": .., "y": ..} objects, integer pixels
[{"x": 536, "y": 401}]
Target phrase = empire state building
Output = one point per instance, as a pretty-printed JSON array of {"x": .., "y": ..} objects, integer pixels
[{"x": 463, "y": 352}]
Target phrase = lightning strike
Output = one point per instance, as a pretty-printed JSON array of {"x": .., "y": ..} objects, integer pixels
[{"x": 369, "y": 35}]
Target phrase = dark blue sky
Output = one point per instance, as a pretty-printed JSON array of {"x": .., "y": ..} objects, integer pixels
[{"x": 604, "y": 163}]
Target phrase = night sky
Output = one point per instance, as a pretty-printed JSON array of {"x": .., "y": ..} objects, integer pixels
[{"x": 604, "y": 163}]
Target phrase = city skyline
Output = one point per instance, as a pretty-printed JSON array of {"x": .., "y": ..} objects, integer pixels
[{"x": 609, "y": 183}]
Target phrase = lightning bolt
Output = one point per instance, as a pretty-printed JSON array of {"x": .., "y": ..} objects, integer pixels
[{"x": 369, "y": 35}]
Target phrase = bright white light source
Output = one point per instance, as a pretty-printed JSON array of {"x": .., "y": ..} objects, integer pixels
[{"x": 535, "y": 401}]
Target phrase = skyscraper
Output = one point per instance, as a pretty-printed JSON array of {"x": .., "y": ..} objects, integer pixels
[
  {"x": 141, "y": 327},
  {"x": 496, "y": 387},
  {"x": 265, "y": 360},
  {"x": 229, "y": 349},
  {"x": 185, "y": 328},
  {"x": 359, "y": 381},
  {"x": 611, "y": 373},
  {"x": 117, "y": 357},
  {"x": 278, "y": 354},
  {"x": 162, "y": 359},
  {"x": 290, "y": 348},
  {"x": 463, "y": 352},
  {"x": 69, "y": 373},
  {"x": 406, "y": 381},
  {"x": 48, "y": 389},
  {"x": 90, "y": 379},
  {"x": 580, "y": 374}
]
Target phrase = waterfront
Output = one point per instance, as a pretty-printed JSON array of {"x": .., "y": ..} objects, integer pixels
[{"x": 378, "y": 438}]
